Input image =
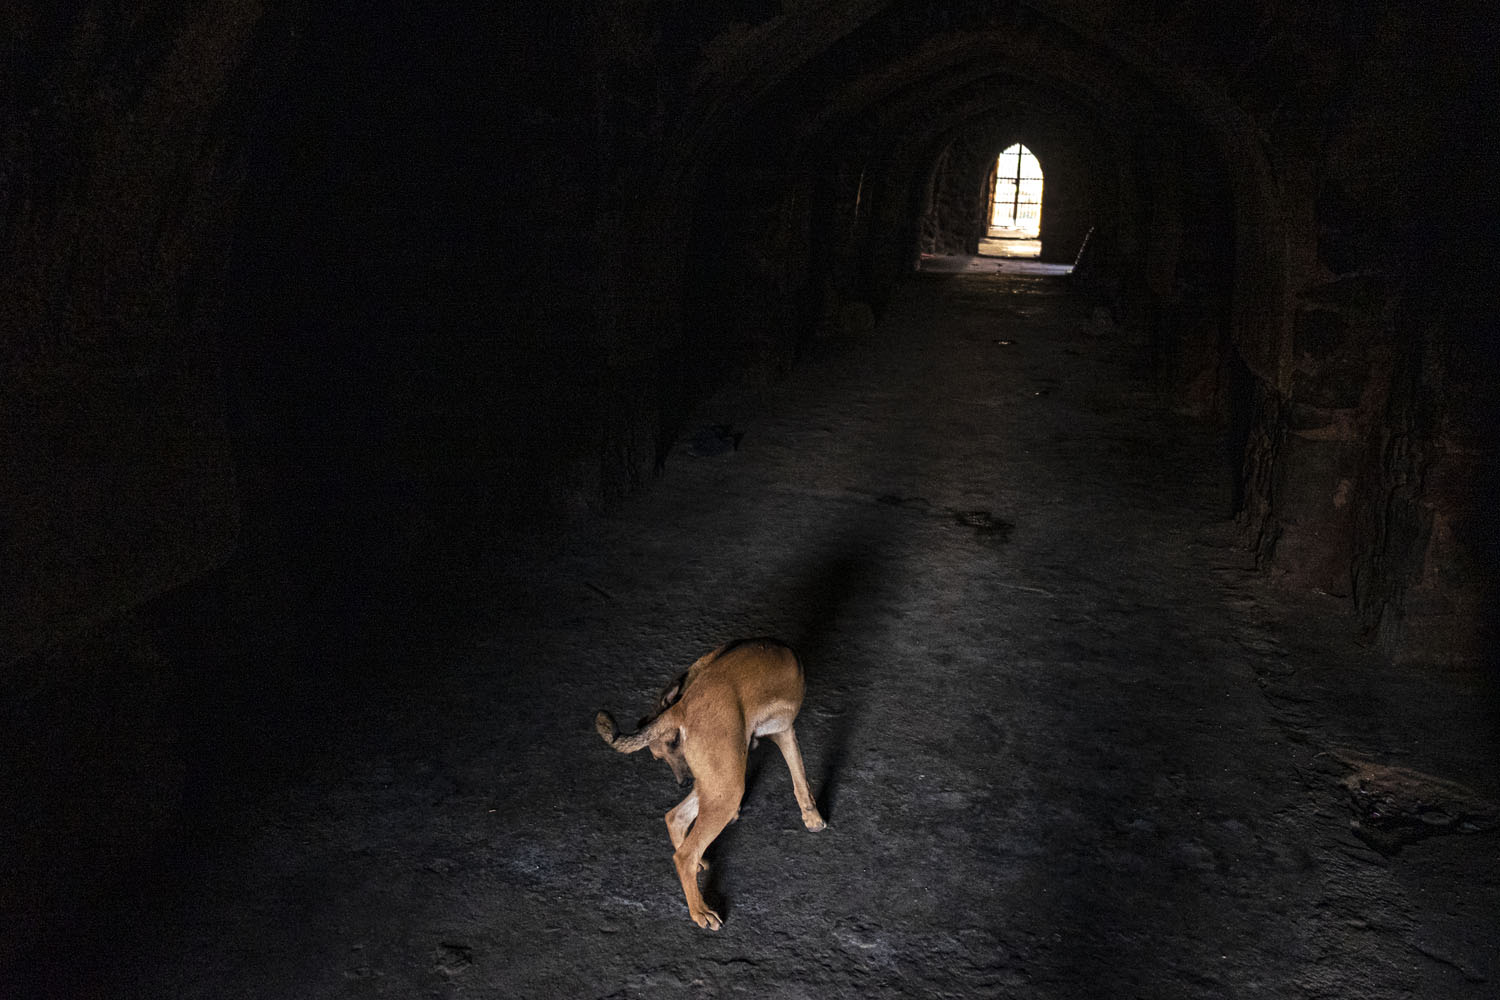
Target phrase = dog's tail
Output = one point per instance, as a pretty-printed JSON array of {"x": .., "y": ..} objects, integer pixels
[{"x": 605, "y": 724}]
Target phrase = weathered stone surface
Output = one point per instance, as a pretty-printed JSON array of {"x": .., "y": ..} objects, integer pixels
[{"x": 1394, "y": 806}]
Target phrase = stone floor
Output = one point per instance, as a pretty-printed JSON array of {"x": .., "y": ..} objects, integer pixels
[
  {"x": 1068, "y": 741},
  {"x": 996, "y": 257}
]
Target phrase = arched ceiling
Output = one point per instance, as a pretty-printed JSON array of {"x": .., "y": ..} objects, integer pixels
[{"x": 819, "y": 67}]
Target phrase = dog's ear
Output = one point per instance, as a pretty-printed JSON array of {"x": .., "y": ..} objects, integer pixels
[{"x": 673, "y": 691}]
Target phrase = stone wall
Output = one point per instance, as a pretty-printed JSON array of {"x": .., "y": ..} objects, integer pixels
[
  {"x": 1360, "y": 407},
  {"x": 122, "y": 138}
]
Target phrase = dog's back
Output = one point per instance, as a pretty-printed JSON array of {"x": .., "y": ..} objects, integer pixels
[{"x": 762, "y": 678}]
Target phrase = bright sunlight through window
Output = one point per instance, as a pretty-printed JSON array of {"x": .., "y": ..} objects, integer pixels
[{"x": 1017, "y": 210}]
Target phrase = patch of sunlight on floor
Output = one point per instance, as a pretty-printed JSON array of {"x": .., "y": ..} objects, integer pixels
[
  {"x": 988, "y": 264},
  {"x": 1009, "y": 246}
]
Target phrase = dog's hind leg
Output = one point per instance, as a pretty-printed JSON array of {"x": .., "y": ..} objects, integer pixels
[
  {"x": 714, "y": 815},
  {"x": 786, "y": 741}
]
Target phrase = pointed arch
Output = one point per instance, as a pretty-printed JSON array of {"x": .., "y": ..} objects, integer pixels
[{"x": 1016, "y": 205}]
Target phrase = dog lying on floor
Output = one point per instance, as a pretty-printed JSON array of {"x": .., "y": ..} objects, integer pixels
[{"x": 704, "y": 726}]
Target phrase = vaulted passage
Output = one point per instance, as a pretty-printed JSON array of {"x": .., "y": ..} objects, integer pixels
[{"x": 380, "y": 395}]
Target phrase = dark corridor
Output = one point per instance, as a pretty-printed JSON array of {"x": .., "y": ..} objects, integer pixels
[{"x": 384, "y": 393}]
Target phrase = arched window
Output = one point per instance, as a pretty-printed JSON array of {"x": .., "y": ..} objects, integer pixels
[{"x": 1017, "y": 209}]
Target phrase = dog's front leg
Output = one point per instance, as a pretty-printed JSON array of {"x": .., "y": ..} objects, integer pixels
[
  {"x": 680, "y": 817},
  {"x": 786, "y": 742}
]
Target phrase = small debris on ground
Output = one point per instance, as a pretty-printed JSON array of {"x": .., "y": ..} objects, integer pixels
[{"x": 451, "y": 959}]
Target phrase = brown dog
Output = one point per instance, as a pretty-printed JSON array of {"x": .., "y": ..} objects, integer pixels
[{"x": 706, "y": 723}]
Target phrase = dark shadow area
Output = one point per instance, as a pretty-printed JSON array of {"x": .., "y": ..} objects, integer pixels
[
  {"x": 833, "y": 705},
  {"x": 834, "y": 688},
  {"x": 275, "y": 664}
]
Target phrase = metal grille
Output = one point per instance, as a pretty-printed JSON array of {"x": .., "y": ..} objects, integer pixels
[{"x": 1018, "y": 192}]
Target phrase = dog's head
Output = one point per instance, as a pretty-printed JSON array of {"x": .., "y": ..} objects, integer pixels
[{"x": 669, "y": 749}]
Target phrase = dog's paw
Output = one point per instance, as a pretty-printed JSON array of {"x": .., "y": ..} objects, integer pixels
[
  {"x": 707, "y": 918},
  {"x": 814, "y": 822}
]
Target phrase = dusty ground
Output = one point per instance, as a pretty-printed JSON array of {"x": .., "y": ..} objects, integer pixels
[{"x": 1068, "y": 743}]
